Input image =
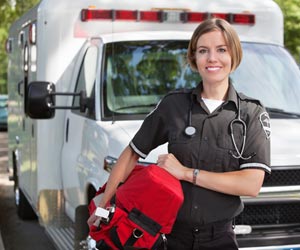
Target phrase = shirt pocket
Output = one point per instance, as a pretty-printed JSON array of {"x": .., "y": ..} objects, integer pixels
[
  {"x": 183, "y": 148},
  {"x": 225, "y": 161}
]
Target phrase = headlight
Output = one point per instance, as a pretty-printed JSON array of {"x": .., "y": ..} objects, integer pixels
[{"x": 109, "y": 162}]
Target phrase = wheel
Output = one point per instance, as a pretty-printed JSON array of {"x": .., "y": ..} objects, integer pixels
[
  {"x": 24, "y": 209},
  {"x": 81, "y": 227},
  {"x": 15, "y": 170}
]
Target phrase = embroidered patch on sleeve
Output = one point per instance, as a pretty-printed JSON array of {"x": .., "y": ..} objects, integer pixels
[{"x": 265, "y": 122}]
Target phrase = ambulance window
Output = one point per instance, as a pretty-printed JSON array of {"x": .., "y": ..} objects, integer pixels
[
  {"x": 139, "y": 73},
  {"x": 270, "y": 74},
  {"x": 86, "y": 80}
]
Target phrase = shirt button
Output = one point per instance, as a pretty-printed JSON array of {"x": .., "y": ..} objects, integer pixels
[
  {"x": 205, "y": 138},
  {"x": 195, "y": 207}
]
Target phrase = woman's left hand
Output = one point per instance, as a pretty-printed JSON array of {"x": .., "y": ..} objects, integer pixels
[{"x": 170, "y": 163}]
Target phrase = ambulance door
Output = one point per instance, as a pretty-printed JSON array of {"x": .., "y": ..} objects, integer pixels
[
  {"x": 26, "y": 131},
  {"x": 21, "y": 137},
  {"x": 77, "y": 125}
]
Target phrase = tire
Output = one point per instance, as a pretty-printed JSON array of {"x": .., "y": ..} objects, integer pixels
[
  {"x": 24, "y": 209},
  {"x": 15, "y": 171},
  {"x": 81, "y": 226}
]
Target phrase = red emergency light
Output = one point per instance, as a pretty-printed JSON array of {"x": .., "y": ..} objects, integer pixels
[
  {"x": 32, "y": 33},
  {"x": 243, "y": 18},
  {"x": 163, "y": 16},
  {"x": 120, "y": 15}
]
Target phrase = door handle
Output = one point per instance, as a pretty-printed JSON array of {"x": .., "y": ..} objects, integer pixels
[
  {"x": 19, "y": 87},
  {"x": 67, "y": 130}
]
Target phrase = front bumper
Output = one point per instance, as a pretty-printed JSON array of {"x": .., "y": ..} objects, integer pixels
[
  {"x": 274, "y": 217},
  {"x": 277, "y": 238},
  {"x": 286, "y": 247}
]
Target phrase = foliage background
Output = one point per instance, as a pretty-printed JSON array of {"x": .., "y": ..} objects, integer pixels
[
  {"x": 291, "y": 12},
  {"x": 10, "y": 10}
]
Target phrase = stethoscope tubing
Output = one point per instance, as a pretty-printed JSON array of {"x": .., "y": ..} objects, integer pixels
[{"x": 191, "y": 131}]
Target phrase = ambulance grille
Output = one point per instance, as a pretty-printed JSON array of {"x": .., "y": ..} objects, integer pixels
[
  {"x": 283, "y": 176},
  {"x": 269, "y": 214}
]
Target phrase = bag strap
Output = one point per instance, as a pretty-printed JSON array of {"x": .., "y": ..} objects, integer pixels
[
  {"x": 145, "y": 222},
  {"x": 115, "y": 238}
]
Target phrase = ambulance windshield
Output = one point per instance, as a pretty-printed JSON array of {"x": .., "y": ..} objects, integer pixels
[
  {"x": 270, "y": 74},
  {"x": 139, "y": 73}
]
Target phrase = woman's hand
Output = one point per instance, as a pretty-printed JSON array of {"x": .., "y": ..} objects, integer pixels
[
  {"x": 170, "y": 163},
  {"x": 93, "y": 220}
]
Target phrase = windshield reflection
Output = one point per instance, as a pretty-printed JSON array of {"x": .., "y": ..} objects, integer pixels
[
  {"x": 270, "y": 74},
  {"x": 139, "y": 73}
]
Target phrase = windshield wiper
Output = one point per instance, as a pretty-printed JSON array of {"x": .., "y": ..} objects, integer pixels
[
  {"x": 280, "y": 113},
  {"x": 150, "y": 105}
]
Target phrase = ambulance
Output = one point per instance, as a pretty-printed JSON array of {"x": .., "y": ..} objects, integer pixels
[{"x": 82, "y": 76}]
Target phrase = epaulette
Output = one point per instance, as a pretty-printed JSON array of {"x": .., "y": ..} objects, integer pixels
[{"x": 245, "y": 97}]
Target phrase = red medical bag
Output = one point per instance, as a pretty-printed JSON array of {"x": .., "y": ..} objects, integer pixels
[{"x": 143, "y": 210}]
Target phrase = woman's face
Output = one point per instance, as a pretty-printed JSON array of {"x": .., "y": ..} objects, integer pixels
[{"x": 213, "y": 58}]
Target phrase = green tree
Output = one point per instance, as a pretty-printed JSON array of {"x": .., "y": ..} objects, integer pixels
[
  {"x": 10, "y": 10},
  {"x": 291, "y": 12}
]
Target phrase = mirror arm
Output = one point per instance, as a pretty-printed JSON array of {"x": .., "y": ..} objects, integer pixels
[
  {"x": 64, "y": 107},
  {"x": 64, "y": 93},
  {"x": 83, "y": 100}
]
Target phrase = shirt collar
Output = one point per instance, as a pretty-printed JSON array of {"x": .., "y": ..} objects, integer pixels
[{"x": 232, "y": 95}]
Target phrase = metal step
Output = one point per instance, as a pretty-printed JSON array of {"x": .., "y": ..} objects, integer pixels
[{"x": 63, "y": 238}]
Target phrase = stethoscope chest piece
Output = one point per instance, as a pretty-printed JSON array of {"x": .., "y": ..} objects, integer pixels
[{"x": 190, "y": 131}]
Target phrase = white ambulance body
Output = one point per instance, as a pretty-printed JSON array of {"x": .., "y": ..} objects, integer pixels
[{"x": 125, "y": 55}]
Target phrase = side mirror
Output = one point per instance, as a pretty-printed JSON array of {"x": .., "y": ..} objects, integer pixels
[
  {"x": 40, "y": 100},
  {"x": 40, "y": 103}
]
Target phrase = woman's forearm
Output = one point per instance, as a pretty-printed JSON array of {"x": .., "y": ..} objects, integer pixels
[
  {"x": 245, "y": 182},
  {"x": 119, "y": 173}
]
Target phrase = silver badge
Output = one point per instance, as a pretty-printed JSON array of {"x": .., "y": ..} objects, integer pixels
[{"x": 265, "y": 122}]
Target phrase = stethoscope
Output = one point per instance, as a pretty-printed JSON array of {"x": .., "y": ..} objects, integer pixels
[{"x": 191, "y": 131}]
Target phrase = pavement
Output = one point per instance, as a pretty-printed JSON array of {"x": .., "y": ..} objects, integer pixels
[
  {"x": 1, "y": 243},
  {"x": 4, "y": 174}
]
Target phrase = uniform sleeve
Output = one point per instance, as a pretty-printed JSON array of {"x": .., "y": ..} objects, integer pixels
[
  {"x": 152, "y": 133},
  {"x": 257, "y": 140}
]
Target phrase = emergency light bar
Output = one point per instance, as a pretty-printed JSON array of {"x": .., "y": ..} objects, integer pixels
[
  {"x": 229, "y": 17},
  {"x": 163, "y": 16},
  {"x": 125, "y": 15}
]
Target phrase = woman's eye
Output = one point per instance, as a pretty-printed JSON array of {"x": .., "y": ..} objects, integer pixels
[
  {"x": 222, "y": 50},
  {"x": 202, "y": 51}
]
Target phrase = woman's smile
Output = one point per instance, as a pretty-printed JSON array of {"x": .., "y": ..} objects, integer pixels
[{"x": 213, "y": 68}]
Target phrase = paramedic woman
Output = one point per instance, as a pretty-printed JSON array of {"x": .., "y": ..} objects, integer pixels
[{"x": 205, "y": 129}]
